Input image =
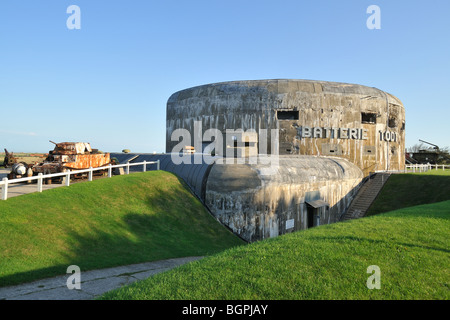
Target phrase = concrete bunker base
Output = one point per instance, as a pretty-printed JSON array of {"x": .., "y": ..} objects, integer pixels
[{"x": 260, "y": 200}]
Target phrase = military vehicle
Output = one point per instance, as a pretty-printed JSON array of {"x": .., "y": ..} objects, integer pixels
[{"x": 71, "y": 156}]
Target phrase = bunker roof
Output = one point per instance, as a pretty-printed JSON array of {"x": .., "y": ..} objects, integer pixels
[{"x": 281, "y": 86}]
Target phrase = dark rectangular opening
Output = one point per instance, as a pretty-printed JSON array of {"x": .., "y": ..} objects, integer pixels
[
  {"x": 392, "y": 123},
  {"x": 310, "y": 216},
  {"x": 245, "y": 144},
  {"x": 287, "y": 115},
  {"x": 368, "y": 117}
]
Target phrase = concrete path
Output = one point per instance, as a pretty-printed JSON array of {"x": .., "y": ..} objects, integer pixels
[
  {"x": 93, "y": 283},
  {"x": 24, "y": 188}
]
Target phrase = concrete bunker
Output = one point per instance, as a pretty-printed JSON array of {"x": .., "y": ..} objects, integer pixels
[
  {"x": 361, "y": 124},
  {"x": 258, "y": 201},
  {"x": 327, "y": 138}
]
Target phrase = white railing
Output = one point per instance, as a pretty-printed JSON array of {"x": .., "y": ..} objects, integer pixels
[
  {"x": 66, "y": 175},
  {"x": 425, "y": 167},
  {"x": 412, "y": 168}
]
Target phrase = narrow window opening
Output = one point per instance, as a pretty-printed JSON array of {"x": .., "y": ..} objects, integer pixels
[
  {"x": 287, "y": 115},
  {"x": 246, "y": 144},
  {"x": 368, "y": 117}
]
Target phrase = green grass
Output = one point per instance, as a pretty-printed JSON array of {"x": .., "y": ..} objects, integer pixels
[
  {"x": 109, "y": 222},
  {"x": 407, "y": 190},
  {"x": 410, "y": 245}
]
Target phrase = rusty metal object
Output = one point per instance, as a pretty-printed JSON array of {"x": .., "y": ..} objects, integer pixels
[
  {"x": 71, "y": 156},
  {"x": 18, "y": 170},
  {"x": 10, "y": 159}
]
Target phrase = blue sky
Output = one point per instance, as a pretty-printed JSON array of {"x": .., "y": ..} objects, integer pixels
[{"x": 108, "y": 83}]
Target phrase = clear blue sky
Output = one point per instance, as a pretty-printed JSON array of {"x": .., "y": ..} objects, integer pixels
[{"x": 108, "y": 83}]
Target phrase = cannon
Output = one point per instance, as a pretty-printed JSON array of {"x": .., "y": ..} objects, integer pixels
[{"x": 9, "y": 160}]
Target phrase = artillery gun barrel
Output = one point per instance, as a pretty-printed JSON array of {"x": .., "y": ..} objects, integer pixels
[{"x": 437, "y": 147}]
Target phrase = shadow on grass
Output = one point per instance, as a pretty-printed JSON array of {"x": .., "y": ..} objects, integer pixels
[
  {"x": 408, "y": 190},
  {"x": 172, "y": 224},
  {"x": 29, "y": 276}
]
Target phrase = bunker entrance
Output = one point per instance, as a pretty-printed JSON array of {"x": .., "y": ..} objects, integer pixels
[
  {"x": 310, "y": 216},
  {"x": 315, "y": 209}
]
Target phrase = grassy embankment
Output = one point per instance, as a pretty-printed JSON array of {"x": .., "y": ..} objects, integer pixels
[
  {"x": 407, "y": 190},
  {"x": 123, "y": 220},
  {"x": 410, "y": 245}
]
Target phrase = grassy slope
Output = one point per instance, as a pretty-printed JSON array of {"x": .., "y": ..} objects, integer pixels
[
  {"x": 109, "y": 222},
  {"x": 330, "y": 262},
  {"x": 406, "y": 190},
  {"x": 411, "y": 247}
]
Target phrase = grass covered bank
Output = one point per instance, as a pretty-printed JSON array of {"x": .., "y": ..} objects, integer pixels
[
  {"x": 109, "y": 222},
  {"x": 412, "y": 189},
  {"x": 410, "y": 246}
]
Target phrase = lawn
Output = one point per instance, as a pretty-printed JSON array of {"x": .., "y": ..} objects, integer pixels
[
  {"x": 410, "y": 246},
  {"x": 411, "y": 189},
  {"x": 152, "y": 216},
  {"x": 104, "y": 223}
]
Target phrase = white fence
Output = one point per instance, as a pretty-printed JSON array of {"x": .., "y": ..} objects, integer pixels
[
  {"x": 417, "y": 168},
  {"x": 425, "y": 167},
  {"x": 66, "y": 175}
]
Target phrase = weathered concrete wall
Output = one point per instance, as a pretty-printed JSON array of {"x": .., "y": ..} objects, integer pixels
[
  {"x": 325, "y": 105},
  {"x": 256, "y": 205},
  {"x": 330, "y": 136}
]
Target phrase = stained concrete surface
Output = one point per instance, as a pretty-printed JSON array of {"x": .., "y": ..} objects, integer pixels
[
  {"x": 93, "y": 283},
  {"x": 262, "y": 105}
]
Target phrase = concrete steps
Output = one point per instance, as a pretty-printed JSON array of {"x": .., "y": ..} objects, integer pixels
[{"x": 366, "y": 196}]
